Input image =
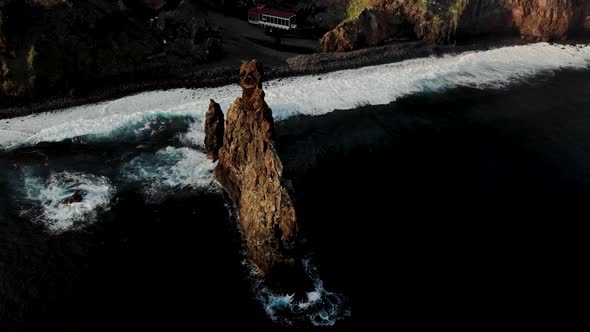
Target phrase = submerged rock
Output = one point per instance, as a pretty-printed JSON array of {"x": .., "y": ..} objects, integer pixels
[
  {"x": 76, "y": 197},
  {"x": 214, "y": 125},
  {"x": 250, "y": 170}
]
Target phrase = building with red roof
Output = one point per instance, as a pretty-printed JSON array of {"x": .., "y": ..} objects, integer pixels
[{"x": 270, "y": 18}]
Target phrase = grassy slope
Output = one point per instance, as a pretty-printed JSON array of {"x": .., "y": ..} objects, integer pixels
[
  {"x": 445, "y": 13},
  {"x": 355, "y": 7}
]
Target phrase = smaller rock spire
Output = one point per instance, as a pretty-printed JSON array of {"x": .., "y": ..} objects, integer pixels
[{"x": 214, "y": 126}]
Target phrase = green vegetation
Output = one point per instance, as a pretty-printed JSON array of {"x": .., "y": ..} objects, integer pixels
[
  {"x": 455, "y": 10},
  {"x": 445, "y": 10},
  {"x": 31, "y": 57},
  {"x": 423, "y": 5},
  {"x": 355, "y": 7},
  {"x": 445, "y": 14},
  {"x": 450, "y": 9}
]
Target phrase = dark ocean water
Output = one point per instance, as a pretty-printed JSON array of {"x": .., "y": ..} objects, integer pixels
[{"x": 464, "y": 208}]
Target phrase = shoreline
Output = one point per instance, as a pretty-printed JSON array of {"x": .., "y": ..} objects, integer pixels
[{"x": 299, "y": 65}]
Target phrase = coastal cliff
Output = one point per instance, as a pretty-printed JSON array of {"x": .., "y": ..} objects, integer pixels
[
  {"x": 58, "y": 47},
  {"x": 445, "y": 21},
  {"x": 73, "y": 52},
  {"x": 250, "y": 170},
  {"x": 532, "y": 20}
]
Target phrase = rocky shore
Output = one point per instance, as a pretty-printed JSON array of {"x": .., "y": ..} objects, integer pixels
[
  {"x": 178, "y": 44},
  {"x": 219, "y": 75}
]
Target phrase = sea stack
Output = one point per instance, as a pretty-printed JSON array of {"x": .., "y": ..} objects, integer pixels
[
  {"x": 250, "y": 170},
  {"x": 214, "y": 124}
]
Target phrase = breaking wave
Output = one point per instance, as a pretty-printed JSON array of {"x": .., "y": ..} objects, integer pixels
[
  {"x": 127, "y": 127},
  {"x": 195, "y": 135},
  {"x": 320, "y": 307},
  {"x": 47, "y": 196},
  {"x": 345, "y": 89},
  {"x": 159, "y": 174},
  {"x": 168, "y": 170}
]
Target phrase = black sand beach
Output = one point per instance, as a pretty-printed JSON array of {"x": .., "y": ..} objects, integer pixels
[{"x": 243, "y": 43}]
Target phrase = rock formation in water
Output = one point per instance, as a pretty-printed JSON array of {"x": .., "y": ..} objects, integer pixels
[
  {"x": 444, "y": 21},
  {"x": 250, "y": 170},
  {"x": 49, "y": 47},
  {"x": 76, "y": 197},
  {"x": 214, "y": 125}
]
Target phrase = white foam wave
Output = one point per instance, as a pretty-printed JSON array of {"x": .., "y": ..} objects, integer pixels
[
  {"x": 138, "y": 124},
  {"x": 320, "y": 307},
  {"x": 306, "y": 95},
  {"x": 170, "y": 169},
  {"x": 195, "y": 135},
  {"x": 48, "y": 194}
]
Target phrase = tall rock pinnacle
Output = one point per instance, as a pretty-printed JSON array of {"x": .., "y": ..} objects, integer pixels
[{"x": 251, "y": 172}]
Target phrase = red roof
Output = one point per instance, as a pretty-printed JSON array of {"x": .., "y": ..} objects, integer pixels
[{"x": 272, "y": 12}]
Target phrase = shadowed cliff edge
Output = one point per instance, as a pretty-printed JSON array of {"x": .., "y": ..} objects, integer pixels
[
  {"x": 250, "y": 170},
  {"x": 446, "y": 21}
]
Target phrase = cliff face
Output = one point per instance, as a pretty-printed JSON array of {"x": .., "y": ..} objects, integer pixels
[
  {"x": 533, "y": 20},
  {"x": 444, "y": 21},
  {"x": 250, "y": 171},
  {"x": 372, "y": 27},
  {"x": 59, "y": 47}
]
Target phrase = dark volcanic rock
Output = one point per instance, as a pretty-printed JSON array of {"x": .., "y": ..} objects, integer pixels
[
  {"x": 372, "y": 27},
  {"x": 445, "y": 21},
  {"x": 48, "y": 47},
  {"x": 154, "y": 5},
  {"x": 251, "y": 172},
  {"x": 76, "y": 197},
  {"x": 214, "y": 125}
]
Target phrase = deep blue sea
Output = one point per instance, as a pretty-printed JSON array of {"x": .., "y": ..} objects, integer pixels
[{"x": 454, "y": 206}]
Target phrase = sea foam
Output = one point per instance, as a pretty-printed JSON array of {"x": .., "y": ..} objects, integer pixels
[
  {"x": 47, "y": 195},
  {"x": 320, "y": 307},
  {"x": 173, "y": 168},
  {"x": 345, "y": 89},
  {"x": 168, "y": 170}
]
